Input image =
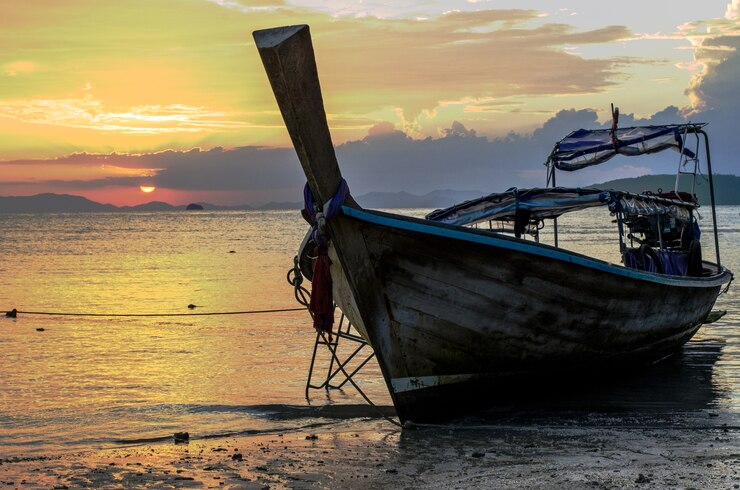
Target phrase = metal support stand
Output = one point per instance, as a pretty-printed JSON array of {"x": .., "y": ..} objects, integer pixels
[{"x": 337, "y": 364}]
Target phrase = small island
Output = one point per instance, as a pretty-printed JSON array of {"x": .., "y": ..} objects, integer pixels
[{"x": 194, "y": 207}]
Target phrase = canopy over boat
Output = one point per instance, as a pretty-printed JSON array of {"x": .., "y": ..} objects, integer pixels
[
  {"x": 583, "y": 148},
  {"x": 540, "y": 203}
]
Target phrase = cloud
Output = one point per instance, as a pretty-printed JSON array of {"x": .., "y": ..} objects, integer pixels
[
  {"x": 249, "y": 168},
  {"x": 382, "y": 129},
  {"x": 415, "y": 65},
  {"x": 19, "y": 67},
  {"x": 88, "y": 112},
  {"x": 74, "y": 171},
  {"x": 249, "y": 6},
  {"x": 146, "y": 69},
  {"x": 519, "y": 53},
  {"x": 458, "y": 129},
  {"x": 387, "y": 159},
  {"x": 252, "y": 172},
  {"x": 715, "y": 87},
  {"x": 733, "y": 10},
  {"x": 714, "y": 41},
  {"x": 719, "y": 84},
  {"x": 717, "y": 103},
  {"x": 463, "y": 160}
]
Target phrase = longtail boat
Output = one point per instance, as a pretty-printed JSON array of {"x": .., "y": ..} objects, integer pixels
[{"x": 453, "y": 311}]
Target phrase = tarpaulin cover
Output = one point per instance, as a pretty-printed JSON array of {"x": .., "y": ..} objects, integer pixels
[
  {"x": 647, "y": 205},
  {"x": 551, "y": 202},
  {"x": 583, "y": 148},
  {"x": 539, "y": 202}
]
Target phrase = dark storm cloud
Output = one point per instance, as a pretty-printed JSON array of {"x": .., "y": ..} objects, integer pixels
[
  {"x": 386, "y": 159},
  {"x": 247, "y": 168},
  {"x": 718, "y": 98}
]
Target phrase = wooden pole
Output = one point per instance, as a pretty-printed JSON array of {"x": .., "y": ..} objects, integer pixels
[{"x": 288, "y": 57}]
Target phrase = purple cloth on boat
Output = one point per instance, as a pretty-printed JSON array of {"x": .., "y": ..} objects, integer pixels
[
  {"x": 650, "y": 264},
  {"x": 674, "y": 263},
  {"x": 630, "y": 258}
]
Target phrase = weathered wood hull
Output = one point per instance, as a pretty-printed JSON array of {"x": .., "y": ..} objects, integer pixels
[
  {"x": 453, "y": 313},
  {"x": 450, "y": 311}
]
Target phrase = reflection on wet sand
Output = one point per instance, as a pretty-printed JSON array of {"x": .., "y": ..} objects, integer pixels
[{"x": 683, "y": 382}]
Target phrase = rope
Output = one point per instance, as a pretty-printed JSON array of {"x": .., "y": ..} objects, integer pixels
[
  {"x": 321, "y": 214},
  {"x": 295, "y": 279},
  {"x": 13, "y": 312},
  {"x": 321, "y": 304},
  {"x": 727, "y": 288}
]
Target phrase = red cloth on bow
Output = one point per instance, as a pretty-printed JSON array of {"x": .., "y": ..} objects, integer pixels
[{"x": 322, "y": 300}]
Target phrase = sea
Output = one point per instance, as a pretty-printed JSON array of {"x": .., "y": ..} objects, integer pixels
[{"x": 77, "y": 383}]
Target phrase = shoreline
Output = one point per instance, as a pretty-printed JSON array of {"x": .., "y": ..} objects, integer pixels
[{"x": 373, "y": 454}]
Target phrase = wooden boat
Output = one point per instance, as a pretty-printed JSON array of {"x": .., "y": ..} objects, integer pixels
[{"x": 454, "y": 312}]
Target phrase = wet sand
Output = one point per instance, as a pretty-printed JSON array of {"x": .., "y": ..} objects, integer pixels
[{"x": 614, "y": 453}]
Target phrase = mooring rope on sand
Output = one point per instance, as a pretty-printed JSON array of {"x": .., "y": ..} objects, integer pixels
[{"x": 13, "y": 313}]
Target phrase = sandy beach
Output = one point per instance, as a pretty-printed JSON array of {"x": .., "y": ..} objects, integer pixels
[{"x": 627, "y": 454}]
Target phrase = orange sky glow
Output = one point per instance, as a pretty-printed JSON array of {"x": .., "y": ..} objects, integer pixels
[{"x": 87, "y": 86}]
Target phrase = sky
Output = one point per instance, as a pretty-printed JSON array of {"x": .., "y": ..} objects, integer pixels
[{"x": 100, "y": 98}]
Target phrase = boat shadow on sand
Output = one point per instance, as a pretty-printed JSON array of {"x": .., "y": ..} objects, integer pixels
[
  {"x": 684, "y": 382},
  {"x": 680, "y": 384}
]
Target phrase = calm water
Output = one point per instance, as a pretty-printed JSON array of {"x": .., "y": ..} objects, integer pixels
[{"x": 92, "y": 382}]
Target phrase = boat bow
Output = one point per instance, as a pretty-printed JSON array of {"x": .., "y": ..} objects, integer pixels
[{"x": 451, "y": 312}]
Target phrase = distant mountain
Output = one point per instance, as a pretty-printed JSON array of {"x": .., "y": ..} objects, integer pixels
[
  {"x": 726, "y": 187},
  {"x": 152, "y": 206},
  {"x": 65, "y": 203},
  {"x": 46, "y": 203}
]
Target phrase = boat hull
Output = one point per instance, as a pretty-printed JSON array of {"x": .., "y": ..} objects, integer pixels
[
  {"x": 453, "y": 313},
  {"x": 448, "y": 309}
]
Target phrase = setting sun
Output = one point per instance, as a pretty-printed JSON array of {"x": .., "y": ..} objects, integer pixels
[{"x": 147, "y": 188}]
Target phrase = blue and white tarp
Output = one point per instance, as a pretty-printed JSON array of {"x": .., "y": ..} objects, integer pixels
[
  {"x": 538, "y": 202},
  {"x": 640, "y": 205},
  {"x": 551, "y": 202},
  {"x": 583, "y": 148}
]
